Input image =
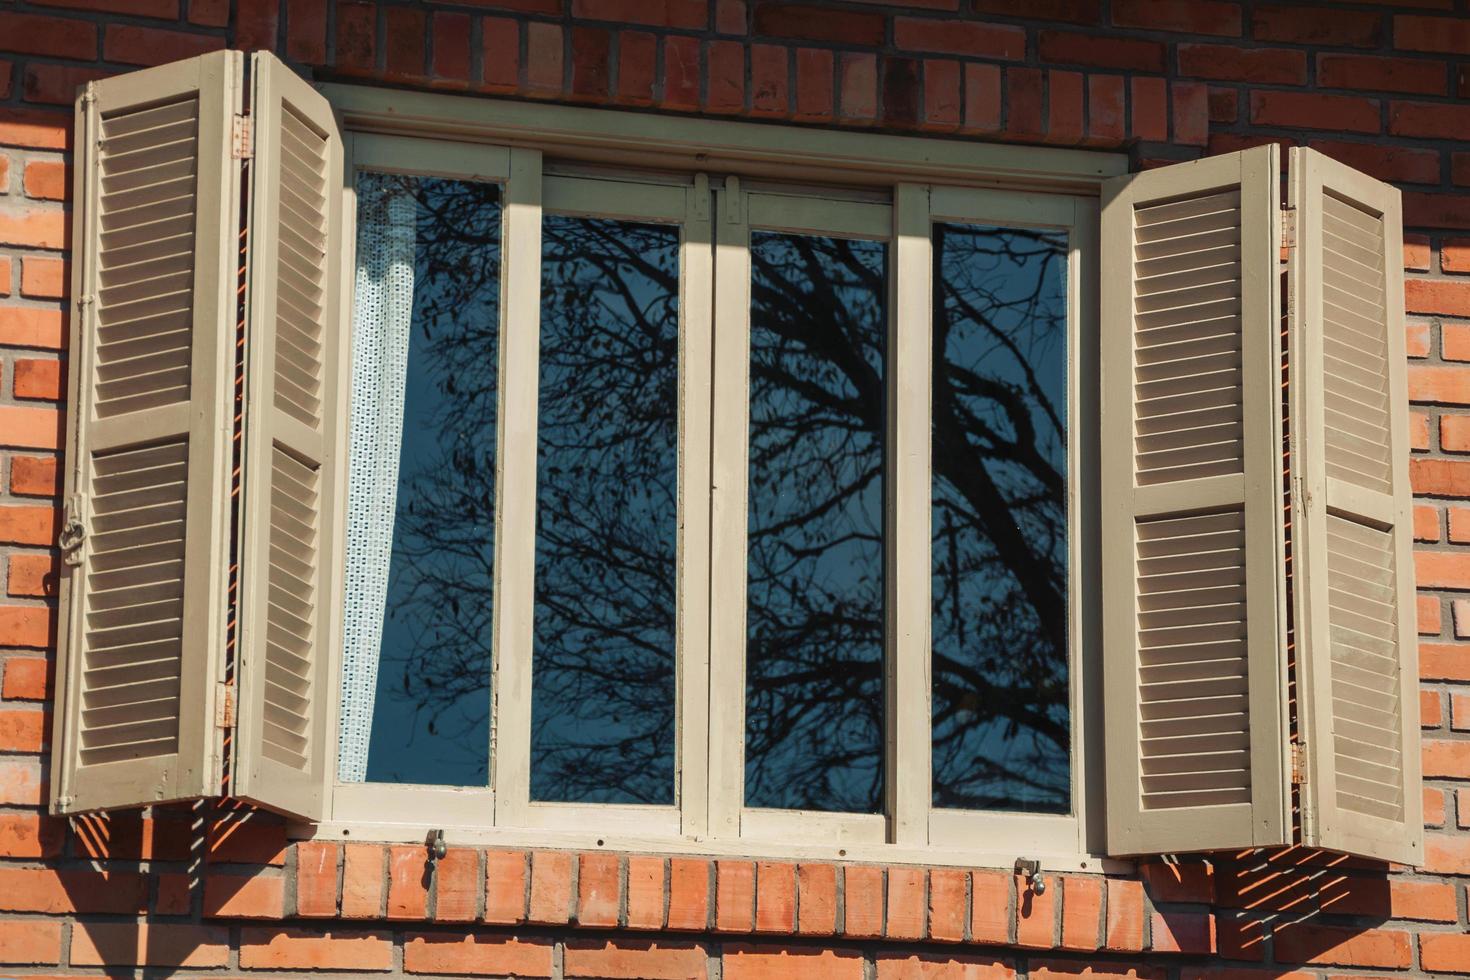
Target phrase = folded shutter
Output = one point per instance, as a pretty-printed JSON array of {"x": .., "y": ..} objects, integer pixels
[
  {"x": 1193, "y": 579},
  {"x": 292, "y": 427},
  {"x": 1353, "y": 588},
  {"x": 148, "y": 439}
]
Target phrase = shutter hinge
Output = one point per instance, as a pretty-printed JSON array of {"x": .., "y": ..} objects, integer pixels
[
  {"x": 242, "y": 138},
  {"x": 701, "y": 197},
  {"x": 224, "y": 706},
  {"x": 732, "y": 200},
  {"x": 1288, "y": 227},
  {"x": 73, "y": 530},
  {"x": 1298, "y": 765}
]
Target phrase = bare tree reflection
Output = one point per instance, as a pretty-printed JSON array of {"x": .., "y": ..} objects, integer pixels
[{"x": 604, "y": 706}]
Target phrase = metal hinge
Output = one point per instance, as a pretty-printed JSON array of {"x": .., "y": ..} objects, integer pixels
[
  {"x": 242, "y": 138},
  {"x": 1288, "y": 227},
  {"x": 732, "y": 201},
  {"x": 224, "y": 706},
  {"x": 1298, "y": 765},
  {"x": 73, "y": 530},
  {"x": 701, "y": 197}
]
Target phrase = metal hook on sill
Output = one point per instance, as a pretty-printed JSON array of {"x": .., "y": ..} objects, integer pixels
[
  {"x": 1031, "y": 869},
  {"x": 436, "y": 845}
]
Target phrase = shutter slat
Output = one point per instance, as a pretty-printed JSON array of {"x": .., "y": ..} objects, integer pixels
[
  {"x": 1352, "y": 567},
  {"x": 293, "y": 439},
  {"x": 1192, "y": 585}
]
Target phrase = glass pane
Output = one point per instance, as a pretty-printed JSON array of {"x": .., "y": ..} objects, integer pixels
[
  {"x": 421, "y": 497},
  {"x": 1002, "y": 731},
  {"x": 603, "y": 693},
  {"x": 814, "y": 606}
]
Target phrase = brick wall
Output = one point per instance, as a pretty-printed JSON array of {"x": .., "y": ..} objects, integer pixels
[{"x": 209, "y": 889}]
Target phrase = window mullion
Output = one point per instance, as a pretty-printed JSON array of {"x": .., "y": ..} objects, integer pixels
[
  {"x": 908, "y": 757},
  {"x": 515, "y": 531}
]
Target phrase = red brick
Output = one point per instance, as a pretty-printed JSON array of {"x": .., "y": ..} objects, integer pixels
[
  {"x": 5, "y": 276},
  {"x": 306, "y": 31},
  {"x": 46, "y": 180},
  {"x": 316, "y": 878},
  {"x": 130, "y": 45},
  {"x": 769, "y": 88},
  {"x": 169, "y": 835},
  {"x": 1183, "y": 932},
  {"x": 505, "y": 887},
  {"x": 284, "y": 948},
  {"x": 1185, "y": 881},
  {"x": 1392, "y": 163},
  {"x": 900, "y": 965},
  {"x": 477, "y": 954},
  {"x": 1431, "y": 714},
  {"x": 742, "y": 961},
  {"x": 1444, "y": 661},
  {"x": 42, "y": 278},
  {"x": 551, "y": 887},
  {"x": 1150, "y": 109},
  {"x": 31, "y": 575},
  {"x": 1446, "y": 759},
  {"x": 1362, "y": 71},
  {"x": 405, "y": 44},
  {"x": 26, "y": 678},
  {"x": 30, "y": 941},
  {"x": 862, "y": 893},
  {"x": 30, "y": 835},
  {"x": 1459, "y": 517},
  {"x": 544, "y": 59},
  {"x": 1416, "y": 252},
  {"x": 1443, "y": 385},
  {"x": 1311, "y": 110},
  {"x": 1419, "y": 432},
  {"x": 907, "y": 903},
  {"x": 1307, "y": 25},
  {"x": 37, "y": 379},
  {"x": 247, "y": 836},
  {"x": 636, "y": 64},
  {"x": 451, "y": 57},
  {"x": 1184, "y": 16},
  {"x": 1442, "y": 569},
  {"x": 362, "y": 881},
  {"x": 941, "y": 95},
  {"x": 30, "y": 627},
  {"x": 53, "y": 37},
  {"x": 1447, "y": 854},
  {"x": 1125, "y": 915},
  {"x": 812, "y": 23},
  {"x": 1435, "y": 120},
  {"x": 1448, "y": 35},
  {"x": 775, "y": 897},
  {"x": 256, "y": 24},
  {"x": 990, "y": 907},
  {"x": 599, "y": 889},
  {"x": 1224, "y": 105},
  {"x": 814, "y": 92},
  {"x": 1073, "y": 11},
  {"x": 1428, "y": 615},
  {"x": 982, "y": 99},
  {"x": 968, "y": 38},
  {"x": 1444, "y": 952},
  {"x": 645, "y": 892},
  {"x": 1023, "y": 102},
  {"x": 1342, "y": 946},
  {"x": 150, "y": 944},
  {"x": 1105, "y": 109},
  {"x": 1434, "y": 807},
  {"x": 1427, "y": 210},
  {"x": 1133, "y": 54},
  {"x": 858, "y": 87},
  {"x": 689, "y": 892},
  {"x": 457, "y": 885},
  {"x": 1191, "y": 113},
  {"x": 31, "y": 327},
  {"x": 686, "y": 14},
  {"x": 1454, "y": 255},
  {"x": 724, "y": 77},
  {"x": 902, "y": 92},
  {"x": 635, "y": 959},
  {"x": 1064, "y": 107},
  {"x": 1444, "y": 296},
  {"x": 29, "y": 428},
  {"x": 164, "y": 9},
  {"x": 37, "y": 129},
  {"x": 681, "y": 73},
  {"x": 734, "y": 896},
  {"x": 591, "y": 63},
  {"x": 67, "y": 892},
  {"x": 731, "y": 17},
  {"x": 209, "y": 13},
  {"x": 1035, "y": 916},
  {"x": 241, "y": 897},
  {"x": 1417, "y": 339},
  {"x": 37, "y": 227},
  {"x": 21, "y": 784},
  {"x": 27, "y": 524},
  {"x": 500, "y": 54},
  {"x": 1279, "y": 66},
  {"x": 1082, "y": 899},
  {"x": 357, "y": 27},
  {"x": 947, "y": 905}
]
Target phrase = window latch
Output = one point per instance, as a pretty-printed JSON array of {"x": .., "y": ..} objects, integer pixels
[
  {"x": 73, "y": 531},
  {"x": 437, "y": 848},
  {"x": 1030, "y": 869}
]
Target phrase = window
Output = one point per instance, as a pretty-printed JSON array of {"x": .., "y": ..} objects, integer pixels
[{"x": 696, "y": 485}]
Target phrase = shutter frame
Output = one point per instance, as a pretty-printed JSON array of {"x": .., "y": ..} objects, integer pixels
[
  {"x": 292, "y": 446},
  {"x": 1135, "y": 825},
  {"x": 1327, "y": 823},
  {"x": 138, "y": 411}
]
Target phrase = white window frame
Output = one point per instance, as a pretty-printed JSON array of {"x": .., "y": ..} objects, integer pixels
[{"x": 925, "y": 180}]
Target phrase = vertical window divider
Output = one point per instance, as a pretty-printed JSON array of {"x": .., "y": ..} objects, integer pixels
[
  {"x": 908, "y": 757},
  {"x": 515, "y": 526},
  {"x": 696, "y": 289},
  {"x": 729, "y": 472}
]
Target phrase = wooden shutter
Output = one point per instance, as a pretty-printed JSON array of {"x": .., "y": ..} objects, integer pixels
[
  {"x": 1193, "y": 579},
  {"x": 1353, "y": 588},
  {"x": 292, "y": 426},
  {"x": 149, "y": 416}
]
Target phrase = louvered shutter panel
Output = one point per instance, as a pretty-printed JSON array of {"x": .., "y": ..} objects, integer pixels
[
  {"x": 1353, "y": 587},
  {"x": 147, "y": 475},
  {"x": 293, "y": 426},
  {"x": 1193, "y": 580}
]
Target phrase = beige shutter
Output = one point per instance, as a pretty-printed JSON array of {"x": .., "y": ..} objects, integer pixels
[
  {"x": 292, "y": 422},
  {"x": 1193, "y": 578},
  {"x": 147, "y": 475},
  {"x": 1353, "y": 589}
]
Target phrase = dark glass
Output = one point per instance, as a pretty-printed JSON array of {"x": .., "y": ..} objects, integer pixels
[
  {"x": 603, "y": 690},
  {"x": 1002, "y": 731},
  {"x": 814, "y": 606},
  {"x": 431, "y": 720}
]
